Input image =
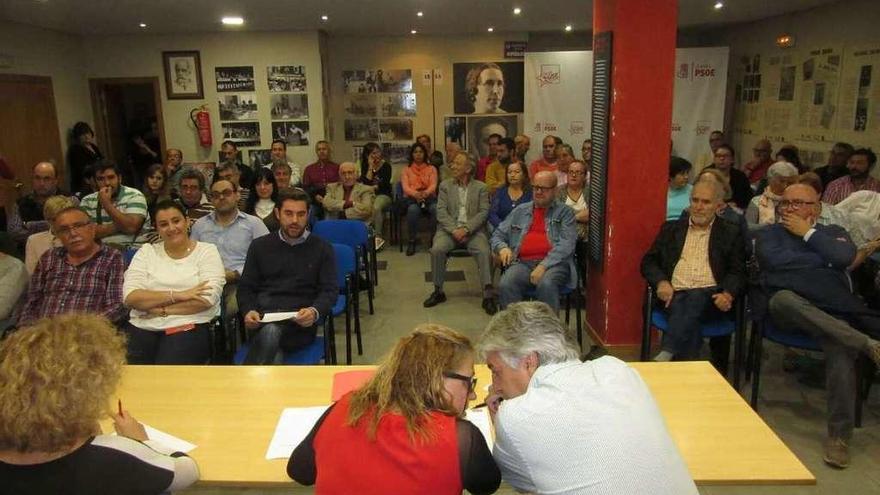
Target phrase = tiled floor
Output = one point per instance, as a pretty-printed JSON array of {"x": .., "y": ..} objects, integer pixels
[{"x": 795, "y": 412}]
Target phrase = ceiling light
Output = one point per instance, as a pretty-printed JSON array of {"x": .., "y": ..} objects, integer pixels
[
  {"x": 143, "y": 25},
  {"x": 568, "y": 28},
  {"x": 491, "y": 29},
  {"x": 232, "y": 21},
  {"x": 325, "y": 18},
  {"x": 420, "y": 13},
  {"x": 413, "y": 31},
  {"x": 517, "y": 11},
  {"x": 719, "y": 5}
]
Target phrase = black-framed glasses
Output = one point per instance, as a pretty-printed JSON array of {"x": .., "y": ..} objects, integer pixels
[
  {"x": 538, "y": 188},
  {"x": 69, "y": 229},
  {"x": 470, "y": 380},
  {"x": 795, "y": 204}
]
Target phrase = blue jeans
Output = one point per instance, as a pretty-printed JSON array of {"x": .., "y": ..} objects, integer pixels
[
  {"x": 515, "y": 282},
  {"x": 413, "y": 211},
  {"x": 272, "y": 338},
  {"x": 684, "y": 337}
]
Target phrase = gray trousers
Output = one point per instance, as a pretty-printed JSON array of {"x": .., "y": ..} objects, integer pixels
[
  {"x": 477, "y": 245},
  {"x": 841, "y": 344}
]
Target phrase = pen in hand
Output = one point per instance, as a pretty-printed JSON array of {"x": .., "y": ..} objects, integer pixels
[{"x": 119, "y": 401}]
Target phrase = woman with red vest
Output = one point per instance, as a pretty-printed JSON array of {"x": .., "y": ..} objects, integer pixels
[{"x": 403, "y": 431}]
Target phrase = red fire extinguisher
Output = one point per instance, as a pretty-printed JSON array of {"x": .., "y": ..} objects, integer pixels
[{"x": 202, "y": 120}]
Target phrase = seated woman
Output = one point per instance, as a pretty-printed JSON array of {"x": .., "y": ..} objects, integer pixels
[
  {"x": 678, "y": 197},
  {"x": 173, "y": 288},
  {"x": 376, "y": 172},
  {"x": 58, "y": 377},
  {"x": 156, "y": 187},
  {"x": 419, "y": 183},
  {"x": 515, "y": 192},
  {"x": 574, "y": 194},
  {"x": 39, "y": 243},
  {"x": 403, "y": 431},
  {"x": 262, "y": 204},
  {"x": 762, "y": 209}
]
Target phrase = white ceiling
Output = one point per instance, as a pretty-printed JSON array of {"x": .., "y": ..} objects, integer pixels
[{"x": 356, "y": 17}]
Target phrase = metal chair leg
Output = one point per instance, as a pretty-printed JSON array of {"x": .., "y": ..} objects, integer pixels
[
  {"x": 738, "y": 343},
  {"x": 646, "y": 324},
  {"x": 758, "y": 335}
]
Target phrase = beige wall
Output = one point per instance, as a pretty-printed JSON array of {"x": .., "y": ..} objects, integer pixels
[
  {"x": 40, "y": 52},
  {"x": 416, "y": 53},
  {"x": 141, "y": 56}
]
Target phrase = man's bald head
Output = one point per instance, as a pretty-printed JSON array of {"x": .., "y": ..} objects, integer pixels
[{"x": 45, "y": 179}]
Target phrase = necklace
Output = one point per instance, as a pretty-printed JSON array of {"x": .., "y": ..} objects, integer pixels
[{"x": 190, "y": 245}]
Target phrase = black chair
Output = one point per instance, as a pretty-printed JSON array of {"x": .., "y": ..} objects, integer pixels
[{"x": 724, "y": 326}]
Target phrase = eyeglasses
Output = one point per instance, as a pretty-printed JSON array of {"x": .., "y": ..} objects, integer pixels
[
  {"x": 188, "y": 187},
  {"x": 538, "y": 188},
  {"x": 226, "y": 193},
  {"x": 576, "y": 172},
  {"x": 470, "y": 380},
  {"x": 794, "y": 204},
  {"x": 69, "y": 229}
]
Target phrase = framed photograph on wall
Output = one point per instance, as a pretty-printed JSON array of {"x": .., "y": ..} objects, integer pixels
[
  {"x": 232, "y": 79},
  {"x": 183, "y": 75},
  {"x": 488, "y": 87}
]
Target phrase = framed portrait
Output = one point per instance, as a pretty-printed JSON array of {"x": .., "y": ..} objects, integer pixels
[
  {"x": 183, "y": 75},
  {"x": 488, "y": 87}
]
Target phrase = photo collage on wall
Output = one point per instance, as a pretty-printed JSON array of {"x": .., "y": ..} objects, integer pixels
[
  {"x": 379, "y": 106},
  {"x": 240, "y": 113},
  {"x": 488, "y": 99}
]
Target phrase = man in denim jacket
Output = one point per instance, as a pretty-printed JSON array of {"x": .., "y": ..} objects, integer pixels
[{"x": 536, "y": 244}]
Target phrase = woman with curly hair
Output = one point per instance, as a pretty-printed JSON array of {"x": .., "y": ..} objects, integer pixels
[
  {"x": 403, "y": 431},
  {"x": 58, "y": 378}
]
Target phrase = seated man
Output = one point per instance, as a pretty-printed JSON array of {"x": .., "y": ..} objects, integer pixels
[
  {"x": 536, "y": 243},
  {"x": 119, "y": 212},
  {"x": 192, "y": 196},
  {"x": 229, "y": 153},
  {"x": 173, "y": 169},
  {"x": 229, "y": 172},
  {"x": 496, "y": 174},
  {"x": 26, "y": 214},
  {"x": 232, "y": 231},
  {"x": 349, "y": 199},
  {"x": 288, "y": 271},
  {"x": 859, "y": 165},
  {"x": 696, "y": 263},
  {"x": 82, "y": 276},
  {"x": 317, "y": 175},
  {"x": 462, "y": 210},
  {"x": 572, "y": 427},
  {"x": 803, "y": 266},
  {"x": 279, "y": 156}
]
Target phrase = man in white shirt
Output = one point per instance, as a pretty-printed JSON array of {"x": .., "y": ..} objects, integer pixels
[{"x": 567, "y": 427}]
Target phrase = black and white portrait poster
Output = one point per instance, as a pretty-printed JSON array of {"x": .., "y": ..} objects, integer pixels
[
  {"x": 398, "y": 105},
  {"x": 286, "y": 78},
  {"x": 294, "y": 133},
  {"x": 377, "y": 81},
  {"x": 289, "y": 106},
  {"x": 480, "y": 128},
  {"x": 456, "y": 130},
  {"x": 260, "y": 158},
  {"x": 396, "y": 130},
  {"x": 488, "y": 87},
  {"x": 238, "y": 106},
  {"x": 234, "y": 79},
  {"x": 245, "y": 134},
  {"x": 361, "y": 129}
]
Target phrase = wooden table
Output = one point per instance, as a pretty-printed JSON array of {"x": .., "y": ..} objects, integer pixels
[{"x": 230, "y": 413}]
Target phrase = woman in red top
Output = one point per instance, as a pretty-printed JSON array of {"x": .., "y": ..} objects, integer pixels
[
  {"x": 419, "y": 184},
  {"x": 403, "y": 431}
]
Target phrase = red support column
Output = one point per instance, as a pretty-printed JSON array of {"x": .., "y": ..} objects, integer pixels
[{"x": 643, "y": 60}]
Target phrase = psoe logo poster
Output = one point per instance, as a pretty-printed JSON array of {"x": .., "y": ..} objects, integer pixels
[
  {"x": 703, "y": 71},
  {"x": 550, "y": 74}
]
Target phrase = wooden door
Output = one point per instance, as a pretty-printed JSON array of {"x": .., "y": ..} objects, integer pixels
[{"x": 28, "y": 130}]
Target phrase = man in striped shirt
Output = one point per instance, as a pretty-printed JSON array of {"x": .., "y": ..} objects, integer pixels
[
  {"x": 860, "y": 163},
  {"x": 118, "y": 211},
  {"x": 82, "y": 276}
]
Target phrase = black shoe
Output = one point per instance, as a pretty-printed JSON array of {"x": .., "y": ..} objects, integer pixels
[
  {"x": 411, "y": 249},
  {"x": 489, "y": 306},
  {"x": 434, "y": 299}
]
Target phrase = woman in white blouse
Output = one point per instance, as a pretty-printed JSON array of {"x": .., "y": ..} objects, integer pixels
[
  {"x": 173, "y": 288},
  {"x": 574, "y": 194}
]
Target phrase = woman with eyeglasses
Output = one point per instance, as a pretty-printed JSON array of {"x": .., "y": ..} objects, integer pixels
[
  {"x": 574, "y": 194},
  {"x": 403, "y": 431},
  {"x": 173, "y": 289}
]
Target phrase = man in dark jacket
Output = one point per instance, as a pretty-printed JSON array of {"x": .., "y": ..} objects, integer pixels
[
  {"x": 803, "y": 265},
  {"x": 697, "y": 268}
]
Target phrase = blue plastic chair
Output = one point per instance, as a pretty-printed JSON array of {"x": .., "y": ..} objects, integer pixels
[
  {"x": 313, "y": 354},
  {"x": 656, "y": 318},
  {"x": 346, "y": 263},
  {"x": 355, "y": 234}
]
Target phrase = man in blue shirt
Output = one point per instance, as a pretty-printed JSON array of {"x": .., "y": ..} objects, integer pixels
[{"x": 232, "y": 231}]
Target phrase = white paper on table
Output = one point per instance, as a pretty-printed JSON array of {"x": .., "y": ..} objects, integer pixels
[
  {"x": 480, "y": 419},
  {"x": 168, "y": 440},
  {"x": 273, "y": 317},
  {"x": 293, "y": 426}
]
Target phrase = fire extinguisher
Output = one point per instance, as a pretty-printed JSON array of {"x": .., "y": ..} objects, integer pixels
[{"x": 202, "y": 120}]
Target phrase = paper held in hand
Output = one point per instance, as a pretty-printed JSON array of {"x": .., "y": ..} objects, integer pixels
[
  {"x": 273, "y": 317},
  {"x": 293, "y": 426}
]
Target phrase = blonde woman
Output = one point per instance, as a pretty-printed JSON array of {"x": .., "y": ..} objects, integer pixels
[
  {"x": 39, "y": 243},
  {"x": 403, "y": 431},
  {"x": 59, "y": 377}
]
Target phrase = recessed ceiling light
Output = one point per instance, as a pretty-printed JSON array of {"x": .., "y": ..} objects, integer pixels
[
  {"x": 413, "y": 31},
  {"x": 568, "y": 28},
  {"x": 491, "y": 29},
  {"x": 517, "y": 11},
  {"x": 232, "y": 21},
  {"x": 719, "y": 5},
  {"x": 325, "y": 18},
  {"x": 420, "y": 13},
  {"x": 143, "y": 25}
]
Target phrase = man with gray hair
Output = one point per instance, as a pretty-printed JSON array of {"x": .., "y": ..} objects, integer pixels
[
  {"x": 570, "y": 427},
  {"x": 697, "y": 268}
]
